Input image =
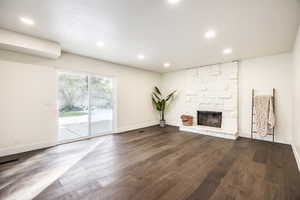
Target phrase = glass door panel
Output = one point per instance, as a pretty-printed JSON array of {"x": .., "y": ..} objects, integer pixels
[
  {"x": 101, "y": 105},
  {"x": 73, "y": 102}
]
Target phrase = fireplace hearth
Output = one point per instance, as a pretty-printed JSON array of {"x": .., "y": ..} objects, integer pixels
[{"x": 209, "y": 118}]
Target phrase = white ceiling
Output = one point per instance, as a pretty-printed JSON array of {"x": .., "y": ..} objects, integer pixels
[{"x": 161, "y": 31}]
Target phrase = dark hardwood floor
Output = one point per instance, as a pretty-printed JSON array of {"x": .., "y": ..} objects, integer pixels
[{"x": 162, "y": 163}]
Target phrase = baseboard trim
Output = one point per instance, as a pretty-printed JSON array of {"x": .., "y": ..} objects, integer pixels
[
  {"x": 24, "y": 148},
  {"x": 136, "y": 126},
  {"x": 267, "y": 139},
  {"x": 173, "y": 123},
  {"x": 297, "y": 155}
]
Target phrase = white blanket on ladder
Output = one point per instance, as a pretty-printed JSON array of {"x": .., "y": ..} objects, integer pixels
[{"x": 264, "y": 114}]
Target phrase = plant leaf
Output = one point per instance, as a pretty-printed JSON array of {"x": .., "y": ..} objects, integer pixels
[
  {"x": 170, "y": 96},
  {"x": 156, "y": 96},
  {"x": 157, "y": 90},
  {"x": 163, "y": 105},
  {"x": 154, "y": 101},
  {"x": 159, "y": 106}
]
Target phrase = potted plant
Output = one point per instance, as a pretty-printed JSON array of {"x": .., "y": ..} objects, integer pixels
[{"x": 160, "y": 103}]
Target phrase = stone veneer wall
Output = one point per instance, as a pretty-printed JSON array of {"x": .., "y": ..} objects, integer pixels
[{"x": 213, "y": 88}]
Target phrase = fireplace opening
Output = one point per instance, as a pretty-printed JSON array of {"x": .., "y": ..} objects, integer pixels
[{"x": 209, "y": 118}]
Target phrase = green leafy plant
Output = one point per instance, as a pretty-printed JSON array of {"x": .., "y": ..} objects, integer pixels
[{"x": 160, "y": 103}]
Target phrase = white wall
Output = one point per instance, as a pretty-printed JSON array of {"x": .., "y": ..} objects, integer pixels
[
  {"x": 28, "y": 91},
  {"x": 296, "y": 99},
  {"x": 28, "y": 105},
  {"x": 263, "y": 74}
]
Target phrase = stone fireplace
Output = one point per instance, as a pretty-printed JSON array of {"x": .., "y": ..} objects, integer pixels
[
  {"x": 209, "y": 118},
  {"x": 213, "y": 92}
]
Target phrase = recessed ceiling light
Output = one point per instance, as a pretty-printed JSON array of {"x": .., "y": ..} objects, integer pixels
[
  {"x": 141, "y": 56},
  {"x": 227, "y": 51},
  {"x": 173, "y": 1},
  {"x": 167, "y": 65},
  {"x": 27, "y": 21},
  {"x": 100, "y": 44},
  {"x": 210, "y": 34}
]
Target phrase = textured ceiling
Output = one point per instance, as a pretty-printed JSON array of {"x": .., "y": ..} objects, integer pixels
[{"x": 161, "y": 31}]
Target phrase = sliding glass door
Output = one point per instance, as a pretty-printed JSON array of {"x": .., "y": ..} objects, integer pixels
[
  {"x": 85, "y": 105},
  {"x": 101, "y": 105},
  {"x": 73, "y": 98}
]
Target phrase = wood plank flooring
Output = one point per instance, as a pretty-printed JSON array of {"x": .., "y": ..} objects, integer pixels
[{"x": 163, "y": 163}]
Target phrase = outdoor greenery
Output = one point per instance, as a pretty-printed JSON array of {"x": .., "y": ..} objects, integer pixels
[
  {"x": 101, "y": 92},
  {"x": 74, "y": 94},
  {"x": 72, "y": 114},
  {"x": 160, "y": 102},
  {"x": 73, "y": 90}
]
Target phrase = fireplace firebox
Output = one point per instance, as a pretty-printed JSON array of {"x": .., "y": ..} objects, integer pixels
[{"x": 209, "y": 118}]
